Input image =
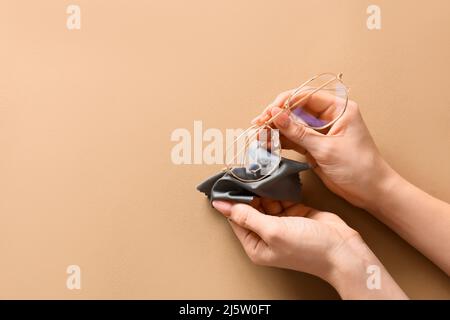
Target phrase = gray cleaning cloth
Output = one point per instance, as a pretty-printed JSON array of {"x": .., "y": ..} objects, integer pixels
[{"x": 283, "y": 184}]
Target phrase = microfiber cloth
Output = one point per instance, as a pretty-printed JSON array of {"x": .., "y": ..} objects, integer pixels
[{"x": 283, "y": 184}]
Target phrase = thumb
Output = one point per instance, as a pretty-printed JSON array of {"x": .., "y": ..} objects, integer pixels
[
  {"x": 305, "y": 137},
  {"x": 265, "y": 226}
]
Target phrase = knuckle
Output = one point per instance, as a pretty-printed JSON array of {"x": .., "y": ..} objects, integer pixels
[
  {"x": 240, "y": 214},
  {"x": 352, "y": 233},
  {"x": 255, "y": 257},
  {"x": 299, "y": 131},
  {"x": 273, "y": 233},
  {"x": 326, "y": 150}
]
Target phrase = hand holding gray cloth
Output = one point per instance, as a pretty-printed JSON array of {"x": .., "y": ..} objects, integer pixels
[{"x": 283, "y": 184}]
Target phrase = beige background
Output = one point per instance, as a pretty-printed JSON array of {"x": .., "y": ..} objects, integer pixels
[{"x": 86, "y": 117}]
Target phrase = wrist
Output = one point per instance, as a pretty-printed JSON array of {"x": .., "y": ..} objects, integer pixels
[
  {"x": 382, "y": 184},
  {"x": 350, "y": 263},
  {"x": 353, "y": 270}
]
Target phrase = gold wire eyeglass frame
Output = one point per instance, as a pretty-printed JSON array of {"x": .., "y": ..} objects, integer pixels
[{"x": 286, "y": 107}]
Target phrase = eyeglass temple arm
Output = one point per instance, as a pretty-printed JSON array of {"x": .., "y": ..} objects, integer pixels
[
  {"x": 270, "y": 121},
  {"x": 286, "y": 105}
]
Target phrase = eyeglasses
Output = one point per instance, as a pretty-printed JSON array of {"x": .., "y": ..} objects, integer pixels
[{"x": 317, "y": 103}]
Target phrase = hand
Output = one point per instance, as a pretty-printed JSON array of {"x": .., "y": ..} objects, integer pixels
[
  {"x": 292, "y": 236},
  {"x": 345, "y": 158},
  {"x": 296, "y": 237}
]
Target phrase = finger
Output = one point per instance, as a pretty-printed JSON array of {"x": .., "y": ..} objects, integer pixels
[
  {"x": 298, "y": 210},
  {"x": 287, "y": 204},
  {"x": 256, "y": 203},
  {"x": 246, "y": 237},
  {"x": 255, "y": 248},
  {"x": 305, "y": 137},
  {"x": 350, "y": 119},
  {"x": 262, "y": 117},
  {"x": 301, "y": 210},
  {"x": 326, "y": 217},
  {"x": 272, "y": 207},
  {"x": 266, "y": 114},
  {"x": 320, "y": 103},
  {"x": 249, "y": 218}
]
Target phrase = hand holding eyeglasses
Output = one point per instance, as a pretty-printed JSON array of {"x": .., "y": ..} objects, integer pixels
[
  {"x": 317, "y": 104},
  {"x": 345, "y": 157}
]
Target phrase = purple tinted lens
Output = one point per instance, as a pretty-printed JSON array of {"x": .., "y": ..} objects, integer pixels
[{"x": 308, "y": 118}]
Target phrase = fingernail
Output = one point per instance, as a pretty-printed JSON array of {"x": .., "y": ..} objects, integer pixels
[{"x": 222, "y": 206}]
